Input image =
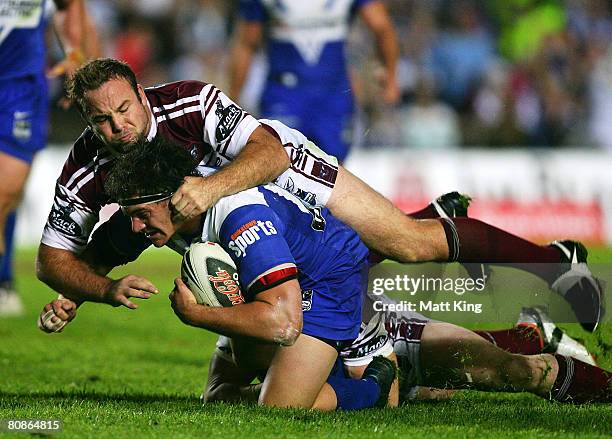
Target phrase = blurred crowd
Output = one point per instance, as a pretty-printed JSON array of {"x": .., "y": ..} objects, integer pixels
[{"x": 472, "y": 73}]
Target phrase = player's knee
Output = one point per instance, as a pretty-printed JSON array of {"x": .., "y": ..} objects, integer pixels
[{"x": 9, "y": 198}]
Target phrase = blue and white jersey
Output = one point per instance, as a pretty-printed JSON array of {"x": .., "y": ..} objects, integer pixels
[
  {"x": 272, "y": 236},
  {"x": 306, "y": 38},
  {"x": 22, "y": 42}
]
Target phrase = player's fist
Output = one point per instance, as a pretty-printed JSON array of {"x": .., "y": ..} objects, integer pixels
[
  {"x": 193, "y": 197},
  {"x": 56, "y": 315}
]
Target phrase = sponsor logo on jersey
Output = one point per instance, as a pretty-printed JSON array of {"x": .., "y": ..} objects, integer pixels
[
  {"x": 307, "y": 300},
  {"x": 228, "y": 285},
  {"x": 60, "y": 220},
  {"x": 248, "y": 233},
  {"x": 229, "y": 118}
]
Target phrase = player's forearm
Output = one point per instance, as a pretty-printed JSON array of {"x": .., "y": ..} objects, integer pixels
[
  {"x": 377, "y": 18},
  {"x": 258, "y": 320},
  {"x": 70, "y": 24},
  {"x": 71, "y": 276},
  {"x": 261, "y": 161},
  {"x": 388, "y": 51}
]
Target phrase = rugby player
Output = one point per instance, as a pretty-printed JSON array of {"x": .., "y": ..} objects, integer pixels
[
  {"x": 305, "y": 41},
  {"x": 23, "y": 115},
  {"x": 201, "y": 119}
]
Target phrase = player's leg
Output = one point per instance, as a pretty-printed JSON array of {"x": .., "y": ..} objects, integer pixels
[
  {"x": 390, "y": 232},
  {"x": 455, "y": 357},
  {"x": 282, "y": 103},
  {"x": 14, "y": 172},
  {"x": 361, "y": 371},
  {"x": 227, "y": 381},
  {"x": 382, "y": 226},
  {"x": 23, "y": 129},
  {"x": 536, "y": 333},
  {"x": 288, "y": 368},
  {"x": 328, "y": 122}
]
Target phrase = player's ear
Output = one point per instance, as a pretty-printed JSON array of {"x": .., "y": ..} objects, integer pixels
[
  {"x": 141, "y": 94},
  {"x": 173, "y": 211}
]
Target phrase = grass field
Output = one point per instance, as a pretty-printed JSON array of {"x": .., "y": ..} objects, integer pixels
[{"x": 120, "y": 373}]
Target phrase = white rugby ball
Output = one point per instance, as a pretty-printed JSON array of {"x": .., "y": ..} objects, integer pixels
[{"x": 210, "y": 273}]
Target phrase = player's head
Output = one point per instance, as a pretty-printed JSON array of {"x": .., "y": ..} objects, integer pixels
[
  {"x": 144, "y": 179},
  {"x": 106, "y": 93}
]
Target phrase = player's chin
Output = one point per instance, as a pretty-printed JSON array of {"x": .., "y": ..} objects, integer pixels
[
  {"x": 158, "y": 239},
  {"x": 122, "y": 146},
  {"x": 159, "y": 242}
]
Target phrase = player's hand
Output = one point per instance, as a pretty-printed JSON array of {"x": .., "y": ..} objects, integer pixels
[
  {"x": 73, "y": 60},
  {"x": 183, "y": 301},
  {"x": 391, "y": 92},
  {"x": 193, "y": 197},
  {"x": 68, "y": 65},
  {"x": 120, "y": 291},
  {"x": 56, "y": 315}
]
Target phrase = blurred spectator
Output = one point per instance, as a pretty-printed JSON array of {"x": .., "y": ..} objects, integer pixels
[
  {"x": 461, "y": 54},
  {"x": 524, "y": 23},
  {"x": 429, "y": 123}
]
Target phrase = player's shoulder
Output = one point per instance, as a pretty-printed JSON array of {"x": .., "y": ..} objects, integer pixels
[
  {"x": 173, "y": 91},
  {"x": 250, "y": 198}
]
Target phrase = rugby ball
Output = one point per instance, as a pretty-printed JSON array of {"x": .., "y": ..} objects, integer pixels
[{"x": 210, "y": 273}]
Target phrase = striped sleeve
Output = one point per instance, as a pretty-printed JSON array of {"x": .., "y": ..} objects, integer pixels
[
  {"x": 77, "y": 200},
  {"x": 227, "y": 127}
]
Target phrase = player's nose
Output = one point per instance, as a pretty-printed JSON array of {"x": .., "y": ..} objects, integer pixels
[
  {"x": 116, "y": 124},
  {"x": 137, "y": 225}
]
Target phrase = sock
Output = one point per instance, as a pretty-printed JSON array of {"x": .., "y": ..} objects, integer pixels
[
  {"x": 476, "y": 241},
  {"x": 579, "y": 382},
  {"x": 524, "y": 340},
  {"x": 354, "y": 394},
  {"x": 6, "y": 261}
]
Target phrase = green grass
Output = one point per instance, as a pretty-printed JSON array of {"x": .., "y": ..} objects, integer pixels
[{"x": 120, "y": 373}]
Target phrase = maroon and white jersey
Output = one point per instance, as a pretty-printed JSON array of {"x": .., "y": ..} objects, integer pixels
[{"x": 203, "y": 120}]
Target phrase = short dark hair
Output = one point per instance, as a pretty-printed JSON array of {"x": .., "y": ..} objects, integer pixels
[
  {"x": 149, "y": 167},
  {"x": 93, "y": 74}
]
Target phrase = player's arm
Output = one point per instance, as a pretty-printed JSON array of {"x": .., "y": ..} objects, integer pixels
[
  {"x": 72, "y": 24},
  {"x": 245, "y": 43},
  {"x": 274, "y": 315},
  {"x": 83, "y": 277},
  {"x": 375, "y": 16},
  {"x": 260, "y": 161}
]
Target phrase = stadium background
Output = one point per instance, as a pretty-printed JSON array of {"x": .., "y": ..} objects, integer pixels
[{"x": 508, "y": 101}]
